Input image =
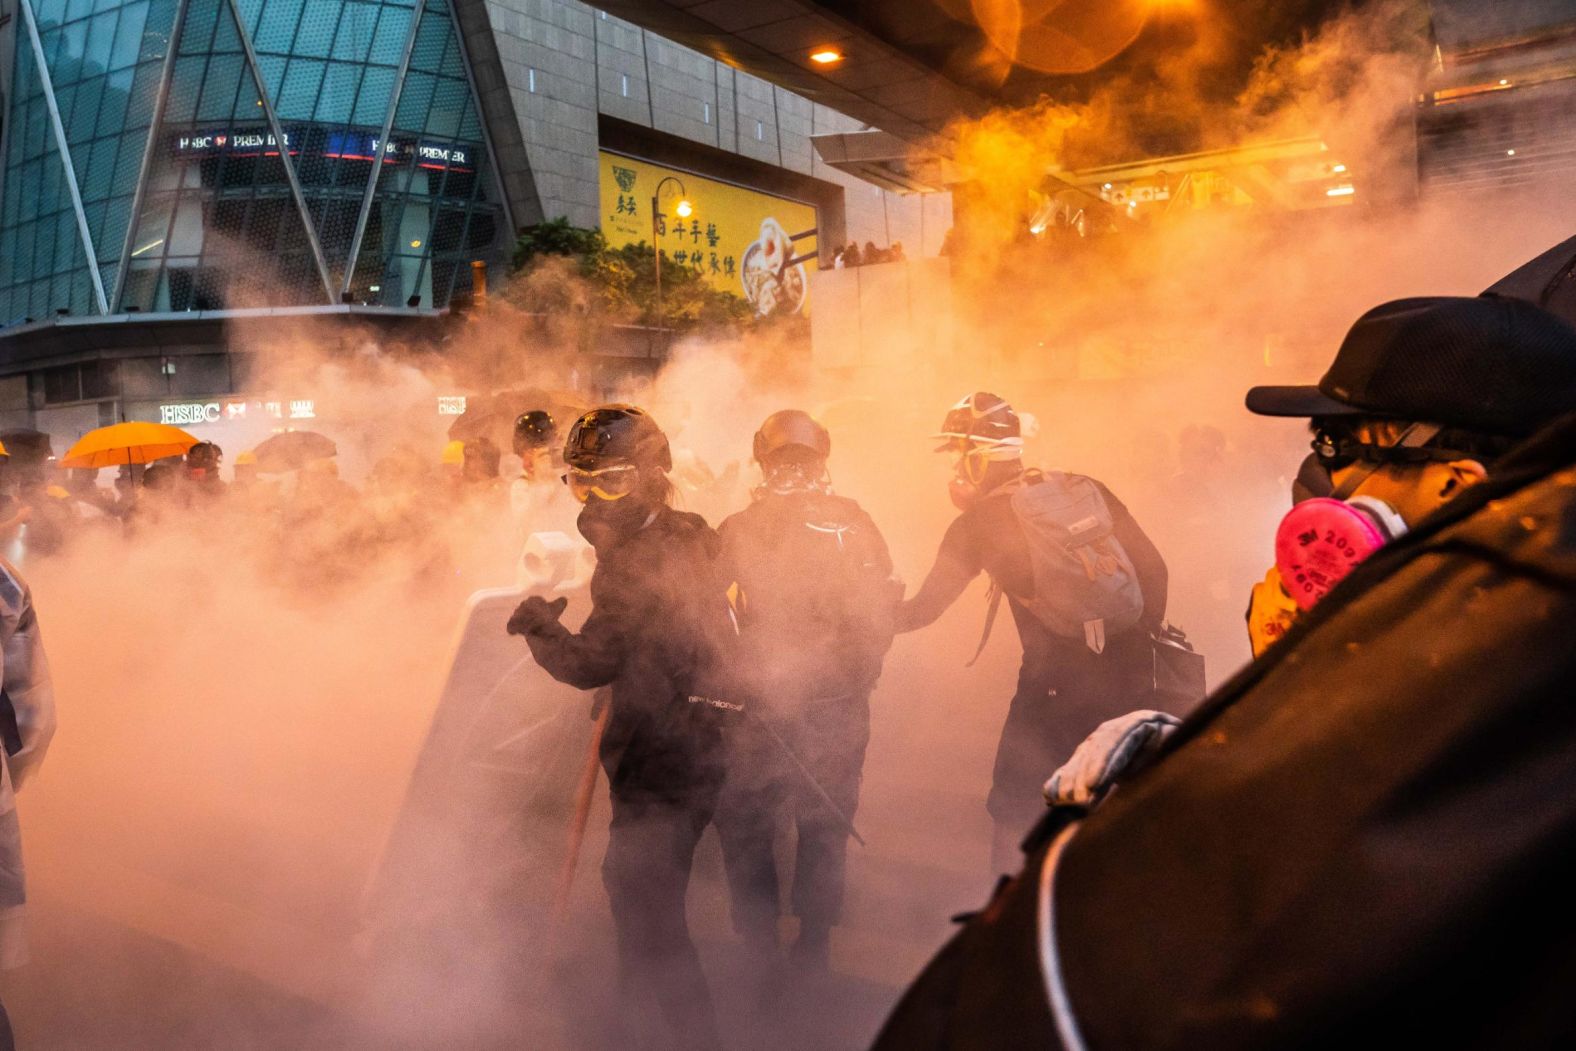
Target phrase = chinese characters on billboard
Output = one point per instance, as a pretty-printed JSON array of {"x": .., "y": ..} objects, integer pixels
[{"x": 746, "y": 242}]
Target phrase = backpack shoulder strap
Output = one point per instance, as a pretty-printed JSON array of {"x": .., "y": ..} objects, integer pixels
[{"x": 993, "y": 607}]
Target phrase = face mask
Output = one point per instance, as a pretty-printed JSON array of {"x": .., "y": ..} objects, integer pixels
[
  {"x": 1313, "y": 479},
  {"x": 963, "y": 492},
  {"x": 1321, "y": 540},
  {"x": 603, "y": 522},
  {"x": 788, "y": 478}
]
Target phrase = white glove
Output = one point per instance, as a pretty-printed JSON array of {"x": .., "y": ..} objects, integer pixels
[{"x": 1116, "y": 747}]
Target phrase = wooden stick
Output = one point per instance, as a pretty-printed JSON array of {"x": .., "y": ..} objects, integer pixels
[{"x": 577, "y": 825}]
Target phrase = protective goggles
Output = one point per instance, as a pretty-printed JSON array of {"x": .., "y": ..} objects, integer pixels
[
  {"x": 607, "y": 483},
  {"x": 971, "y": 458},
  {"x": 1336, "y": 450}
]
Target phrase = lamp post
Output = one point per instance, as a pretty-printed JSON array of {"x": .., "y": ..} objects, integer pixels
[{"x": 683, "y": 210}]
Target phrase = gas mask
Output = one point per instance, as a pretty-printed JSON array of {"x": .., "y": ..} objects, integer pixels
[
  {"x": 794, "y": 476},
  {"x": 1324, "y": 537},
  {"x": 971, "y": 465},
  {"x": 1321, "y": 540},
  {"x": 616, "y": 504}
]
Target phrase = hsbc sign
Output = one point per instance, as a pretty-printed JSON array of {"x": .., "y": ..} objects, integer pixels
[
  {"x": 191, "y": 413},
  {"x": 196, "y": 413}
]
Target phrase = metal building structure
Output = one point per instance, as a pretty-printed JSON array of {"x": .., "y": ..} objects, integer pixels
[{"x": 174, "y": 155}]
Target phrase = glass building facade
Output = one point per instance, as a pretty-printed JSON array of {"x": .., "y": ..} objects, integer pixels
[{"x": 173, "y": 155}]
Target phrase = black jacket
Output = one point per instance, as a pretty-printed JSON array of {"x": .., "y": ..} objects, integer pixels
[
  {"x": 661, "y": 633},
  {"x": 1367, "y": 838},
  {"x": 815, "y": 591}
]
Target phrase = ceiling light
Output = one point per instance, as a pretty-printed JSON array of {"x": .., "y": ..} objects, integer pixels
[
  {"x": 1338, "y": 169},
  {"x": 826, "y": 56}
]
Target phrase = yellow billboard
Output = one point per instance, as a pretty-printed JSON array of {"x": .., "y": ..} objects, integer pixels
[{"x": 746, "y": 242}]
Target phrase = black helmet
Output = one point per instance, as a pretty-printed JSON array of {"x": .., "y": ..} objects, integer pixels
[
  {"x": 206, "y": 455},
  {"x": 791, "y": 429},
  {"x": 982, "y": 418},
  {"x": 616, "y": 434},
  {"x": 534, "y": 430}
]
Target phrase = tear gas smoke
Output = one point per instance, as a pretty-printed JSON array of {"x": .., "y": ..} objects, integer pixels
[{"x": 243, "y": 694}]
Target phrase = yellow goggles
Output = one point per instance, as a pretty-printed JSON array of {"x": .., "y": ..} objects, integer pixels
[
  {"x": 608, "y": 483},
  {"x": 971, "y": 464}
]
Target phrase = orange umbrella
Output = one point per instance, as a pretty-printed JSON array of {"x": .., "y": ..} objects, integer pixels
[{"x": 135, "y": 442}]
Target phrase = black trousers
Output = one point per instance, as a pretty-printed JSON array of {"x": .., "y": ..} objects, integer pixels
[
  {"x": 765, "y": 786},
  {"x": 1065, "y": 690},
  {"x": 646, "y": 872}
]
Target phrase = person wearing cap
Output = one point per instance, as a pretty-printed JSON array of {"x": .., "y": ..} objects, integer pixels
[
  {"x": 1368, "y": 837},
  {"x": 1073, "y": 675},
  {"x": 814, "y": 591}
]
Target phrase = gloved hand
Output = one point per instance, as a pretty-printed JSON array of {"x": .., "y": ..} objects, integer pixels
[
  {"x": 1117, "y": 747},
  {"x": 536, "y": 613}
]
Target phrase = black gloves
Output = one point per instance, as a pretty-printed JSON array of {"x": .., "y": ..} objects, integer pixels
[{"x": 535, "y": 614}]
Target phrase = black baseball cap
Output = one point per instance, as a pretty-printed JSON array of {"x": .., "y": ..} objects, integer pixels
[{"x": 1487, "y": 364}]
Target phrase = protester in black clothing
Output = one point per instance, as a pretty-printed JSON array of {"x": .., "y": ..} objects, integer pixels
[
  {"x": 659, "y": 632},
  {"x": 1082, "y": 668},
  {"x": 202, "y": 469},
  {"x": 1368, "y": 836},
  {"x": 814, "y": 598}
]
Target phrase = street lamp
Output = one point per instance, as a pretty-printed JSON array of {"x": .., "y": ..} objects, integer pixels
[{"x": 683, "y": 211}]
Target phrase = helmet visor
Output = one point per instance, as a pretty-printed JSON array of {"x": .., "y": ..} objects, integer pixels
[{"x": 607, "y": 483}]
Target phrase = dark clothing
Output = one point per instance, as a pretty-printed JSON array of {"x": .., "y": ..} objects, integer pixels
[
  {"x": 988, "y": 539},
  {"x": 815, "y": 594},
  {"x": 659, "y": 632},
  {"x": 763, "y": 785},
  {"x": 1065, "y": 690},
  {"x": 815, "y": 602},
  {"x": 646, "y": 870},
  {"x": 1366, "y": 838}
]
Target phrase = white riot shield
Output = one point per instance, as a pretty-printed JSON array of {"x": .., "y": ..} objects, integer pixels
[{"x": 477, "y": 846}]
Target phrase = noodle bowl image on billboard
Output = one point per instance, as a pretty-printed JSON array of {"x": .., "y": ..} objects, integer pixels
[
  {"x": 743, "y": 241},
  {"x": 773, "y": 275}
]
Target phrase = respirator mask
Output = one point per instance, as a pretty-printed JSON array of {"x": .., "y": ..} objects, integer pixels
[
  {"x": 971, "y": 465},
  {"x": 614, "y": 505},
  {"x": 787, "y": 477},
  {"x": 1324, "y": 537}
]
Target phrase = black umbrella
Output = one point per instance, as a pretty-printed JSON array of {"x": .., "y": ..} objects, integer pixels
[
  {"x": 1548, "y": 280},
  {"x": 493, "y": 415},
  {"x": 292, "y": 450},
  {"x": 27, "y": 446}
]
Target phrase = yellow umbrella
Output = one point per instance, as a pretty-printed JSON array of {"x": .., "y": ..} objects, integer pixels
[{"x": 135, "y": 442}]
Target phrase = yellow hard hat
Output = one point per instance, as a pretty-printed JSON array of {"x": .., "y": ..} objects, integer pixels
[
  {"x": 248, "y": 457},
  {"x": 453, "y": 453}
]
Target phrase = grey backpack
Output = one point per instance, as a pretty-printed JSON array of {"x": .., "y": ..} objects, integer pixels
[{"x": 1085, "y": 586}]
